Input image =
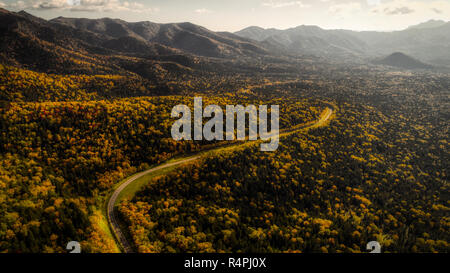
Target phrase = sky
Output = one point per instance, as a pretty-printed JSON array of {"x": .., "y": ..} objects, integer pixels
[{"x": 234, "y": 15}]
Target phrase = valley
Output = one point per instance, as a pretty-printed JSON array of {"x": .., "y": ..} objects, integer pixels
[{"x": 87, "y": 155}]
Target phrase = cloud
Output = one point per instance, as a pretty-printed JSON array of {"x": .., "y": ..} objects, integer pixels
[
  {"x": 83, "y": 5},
  {"x": 398, "y": 11},
  {"x": 203, "y": 11},
  {"x": 2, "y": 5},
  {"x": 345, "y": 9},
  {"x": 18, "y": 5},
  {"x": 407, "y": 7},
  {"x": 55, "y": 4},
  {"x": 283, "y": 4},
  {"x": 438, "y": 11},
  {"x": 373, "y": 2}
]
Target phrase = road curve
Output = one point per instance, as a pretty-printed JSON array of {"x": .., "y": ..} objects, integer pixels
[
  {"x": 112, "y": 216},
  {"x": 111, "y": 208}
]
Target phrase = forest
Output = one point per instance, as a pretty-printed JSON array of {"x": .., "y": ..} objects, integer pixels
[
  {"x": 378, "y": 171},
  {"x": 331, "y": 190},
  {"x": 59, "y": 159}
]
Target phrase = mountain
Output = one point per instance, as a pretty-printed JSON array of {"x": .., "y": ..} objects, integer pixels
[
  {"x": 431, "y": 45},
  {"x": 78, "y": 44},
  {"x": 257, "y": 33},
  {"x": 146, "y": 51},
  {"x": 31, "y": 41},
  {"x": 187, "y": 37},
  {"x": 429, "y": 41},
  {"x": 43, "y": 46},
  {"x": 401, "y": 60},
  {"x": 22, "y": 30},
  {"x": 429, "y": 24},
  {"x": 307, "y": 40}
]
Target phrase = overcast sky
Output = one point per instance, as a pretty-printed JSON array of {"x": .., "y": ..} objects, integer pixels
[{"x": 233, "y": 15}]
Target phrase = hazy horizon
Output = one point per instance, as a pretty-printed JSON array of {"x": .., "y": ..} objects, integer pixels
[{"x": 234, "y": 15}]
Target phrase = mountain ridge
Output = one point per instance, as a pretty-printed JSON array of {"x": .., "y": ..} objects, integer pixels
[
  {"x": 147, "y": 39},
  {"x": 182, "y": 36},
  {"x": 429, "y": 24},
  {"x": 429, "y": 41}
]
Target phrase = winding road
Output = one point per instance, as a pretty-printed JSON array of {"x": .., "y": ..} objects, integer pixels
[{"x": 111, "y": 208}]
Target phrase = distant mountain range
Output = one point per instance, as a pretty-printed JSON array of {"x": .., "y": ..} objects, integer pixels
[
  {"x": 111, "y": 46},
  {"x": 429, "y": 42},
  {"x": 71, "y": 42},
  {"x": 307, "y": 40},
  {"x": 26, "y": 38},
  {"x": 121, "y": 35},
  {"x": 429, "y": 24}
]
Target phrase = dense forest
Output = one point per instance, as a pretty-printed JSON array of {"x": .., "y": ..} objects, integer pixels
[
  {"x": 59, "y": 159},
  {"x": 377, "y": 172},
  {"x": 331, "y": 190}
]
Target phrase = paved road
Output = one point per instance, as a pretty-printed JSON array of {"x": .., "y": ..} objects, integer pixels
[
  {"x": 112, "y": 214},
  {"x": 111, "y": 209}
]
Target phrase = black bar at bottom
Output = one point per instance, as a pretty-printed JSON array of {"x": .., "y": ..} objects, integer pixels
[{"x": 143, "y": 263}]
